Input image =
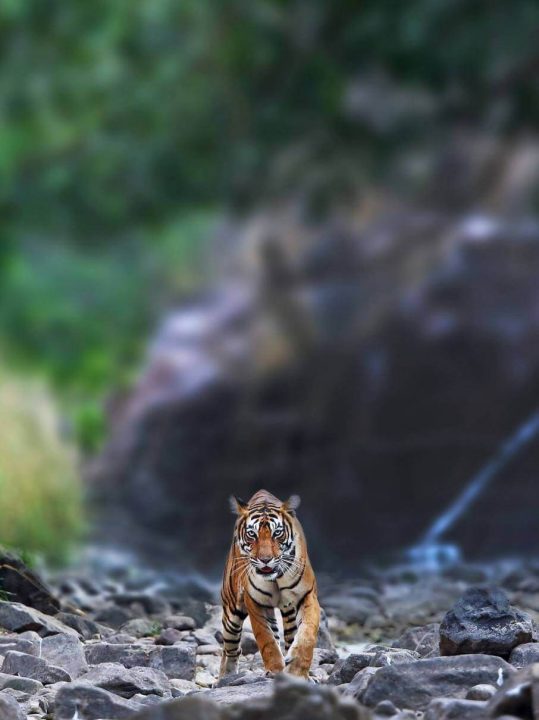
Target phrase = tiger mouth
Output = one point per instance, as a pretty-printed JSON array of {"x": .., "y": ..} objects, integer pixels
[{"x": 266, "y": 571}]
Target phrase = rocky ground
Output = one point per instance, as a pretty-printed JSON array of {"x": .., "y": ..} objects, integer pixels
[{"x": 126, "y": 642}]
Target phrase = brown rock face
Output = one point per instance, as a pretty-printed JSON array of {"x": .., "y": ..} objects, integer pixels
[{"x": 371, "y": 371}]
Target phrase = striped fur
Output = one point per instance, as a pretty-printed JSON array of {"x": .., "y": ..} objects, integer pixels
[{"x": 267, "y": 569}]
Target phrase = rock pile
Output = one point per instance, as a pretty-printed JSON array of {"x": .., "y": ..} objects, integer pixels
[{"x": 134, "y": 644}]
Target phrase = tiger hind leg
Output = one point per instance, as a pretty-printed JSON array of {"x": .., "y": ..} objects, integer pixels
[{"x": 232, "y": 629}]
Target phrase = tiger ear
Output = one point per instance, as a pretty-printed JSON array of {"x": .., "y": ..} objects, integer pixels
[
  {"x": 237, "y": 505},
  {"x": 292, "y": 504}
]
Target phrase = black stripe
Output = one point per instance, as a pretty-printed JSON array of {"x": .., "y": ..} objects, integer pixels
[
  {"x": 262, "y": 592},
  {"x": 290, "y": 587},
  {"x": 302, "y": 600},
  {"x": 288, "y": 612},
  {"x": 266, "y": 607}
]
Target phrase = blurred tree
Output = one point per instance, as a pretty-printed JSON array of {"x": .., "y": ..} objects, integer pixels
[{"x": 122, "y": 120}]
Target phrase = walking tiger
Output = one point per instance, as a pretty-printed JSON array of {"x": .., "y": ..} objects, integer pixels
[{"x": 268, "y": 568}]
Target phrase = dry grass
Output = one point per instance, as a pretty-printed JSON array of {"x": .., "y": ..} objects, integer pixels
[{"x": 40, "y": 492}]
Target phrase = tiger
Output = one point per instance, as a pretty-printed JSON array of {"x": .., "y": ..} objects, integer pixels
[{"x": 268, "y": 568}]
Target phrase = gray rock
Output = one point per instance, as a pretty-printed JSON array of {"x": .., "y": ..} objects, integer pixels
[
  {"x": 372, "y": 656},
  {"x": 65, "y": 651},
  {"x": 150, "y": 604},
  {"x": 137, "y": 680},
  {"x": 204, "y": 637},
  {"x": 141, "y": 627},
  {"x": 127, "y": 655},
  {"x": 324, "y": 640},
  {"x": 240, "y": 678},
  {"x": 385, "y": 708},
  {"x": 15, "y": 642},
  {"x": 518, "y": 696},
  {"x": 179, "y": 622},
  {"x": 29, "y": 666},
  {"x": 194, "y": 707},
  {"x": 450, "y": 709},
  {"x": 357, "y": 687},
  {"x": 325, "y": 656},
  {"x": 91, "y": 703},
  {"x": 482, "y": 621},
  {"x": 86, "y": 628},
  {"x": 18, "y": 618},
  {"x": 177, "y": 661},
  {"x": 414, "y": 685},
  {"x": 26, "y": 685},
  {"x": 248, "y": 643},
  {"x": 423, "y": 639},
  {"x": 525, "y": 654},
  {"x": 113, "y": 616},
  {"x": 169, "y": 636},
  {"x": 230, "y": 694},
  {"x": 481, "y": 692},
  {"x": 9, "y": 708},
  {"x": 21, "y": 584}
]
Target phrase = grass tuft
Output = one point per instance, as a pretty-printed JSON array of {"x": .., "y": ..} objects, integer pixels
[{"x": 40, "y": 491}]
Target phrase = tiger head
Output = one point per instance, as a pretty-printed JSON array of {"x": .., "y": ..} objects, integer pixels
[{"x": 266, "y": 533}]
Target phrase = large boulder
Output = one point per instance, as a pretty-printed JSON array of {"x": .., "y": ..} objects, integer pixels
[
  {"x": 19, "y": 618},
  {"x": 366, "y": 357},
  {"x": 92, "y": 703},
  {"x": 413, "y": 685},
  {"x": 483, "y": 621},
  {"x": 21, "y": 584}
]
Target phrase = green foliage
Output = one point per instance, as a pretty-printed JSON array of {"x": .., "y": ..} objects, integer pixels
[
  {"x": 121, "y": 119},
  {"x": 40, "y": 495}
]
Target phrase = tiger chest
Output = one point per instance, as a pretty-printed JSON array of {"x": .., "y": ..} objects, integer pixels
[{"x": 264, "y": 593}]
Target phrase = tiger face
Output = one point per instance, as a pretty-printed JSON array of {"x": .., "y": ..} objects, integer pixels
[{"x": 265, "y": 534}]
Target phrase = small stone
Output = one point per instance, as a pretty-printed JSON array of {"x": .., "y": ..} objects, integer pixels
[
  {"x": 141, "y": 627},
  {"x": 177, "y": 661},
  {"x": 169, "y": 636},
  {"x": 481, "y": 692},
  {"x": 357, "y": 687},
  {"x": 16, "y": 663},
  {"x": 203, "y": 637},
  {"x": 423, "y": 639},
  {"x": 385, "y": 708}
]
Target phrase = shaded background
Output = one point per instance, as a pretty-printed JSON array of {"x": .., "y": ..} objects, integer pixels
[{"x": 266, "y": 243}]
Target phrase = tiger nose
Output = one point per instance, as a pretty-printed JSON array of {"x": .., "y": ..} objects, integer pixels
[{"x": 265, "y": 559}]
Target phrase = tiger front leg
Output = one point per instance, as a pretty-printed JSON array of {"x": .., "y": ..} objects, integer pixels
[
  {"x": 300, "y": 655},
  {"x": 264, "y": 636},
  {"x": 232, "y": 628}
]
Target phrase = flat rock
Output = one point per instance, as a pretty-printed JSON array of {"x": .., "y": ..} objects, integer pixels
[
  {"x": 483, "y": 621},
  {"x": 26, "y": 685},
  {"x": 65, "y": 651},
  {"x": 29, "y": 666},
  {"x": 10, "y": 709},
  {"x": 92, "y": 703},
  {"x": 176, "y": 661},
  {"x": 18, "y": 618},
  {"x": 413, "y": 685},
  {"x": 14, "y": 642},
  {"x": 229, "y": 694},
  {"x": 358, "y": 686},
  {"x": 450, "y": 709},
  {"x": 137, "y": 680},
  {"x": 373, "y": 656}
]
